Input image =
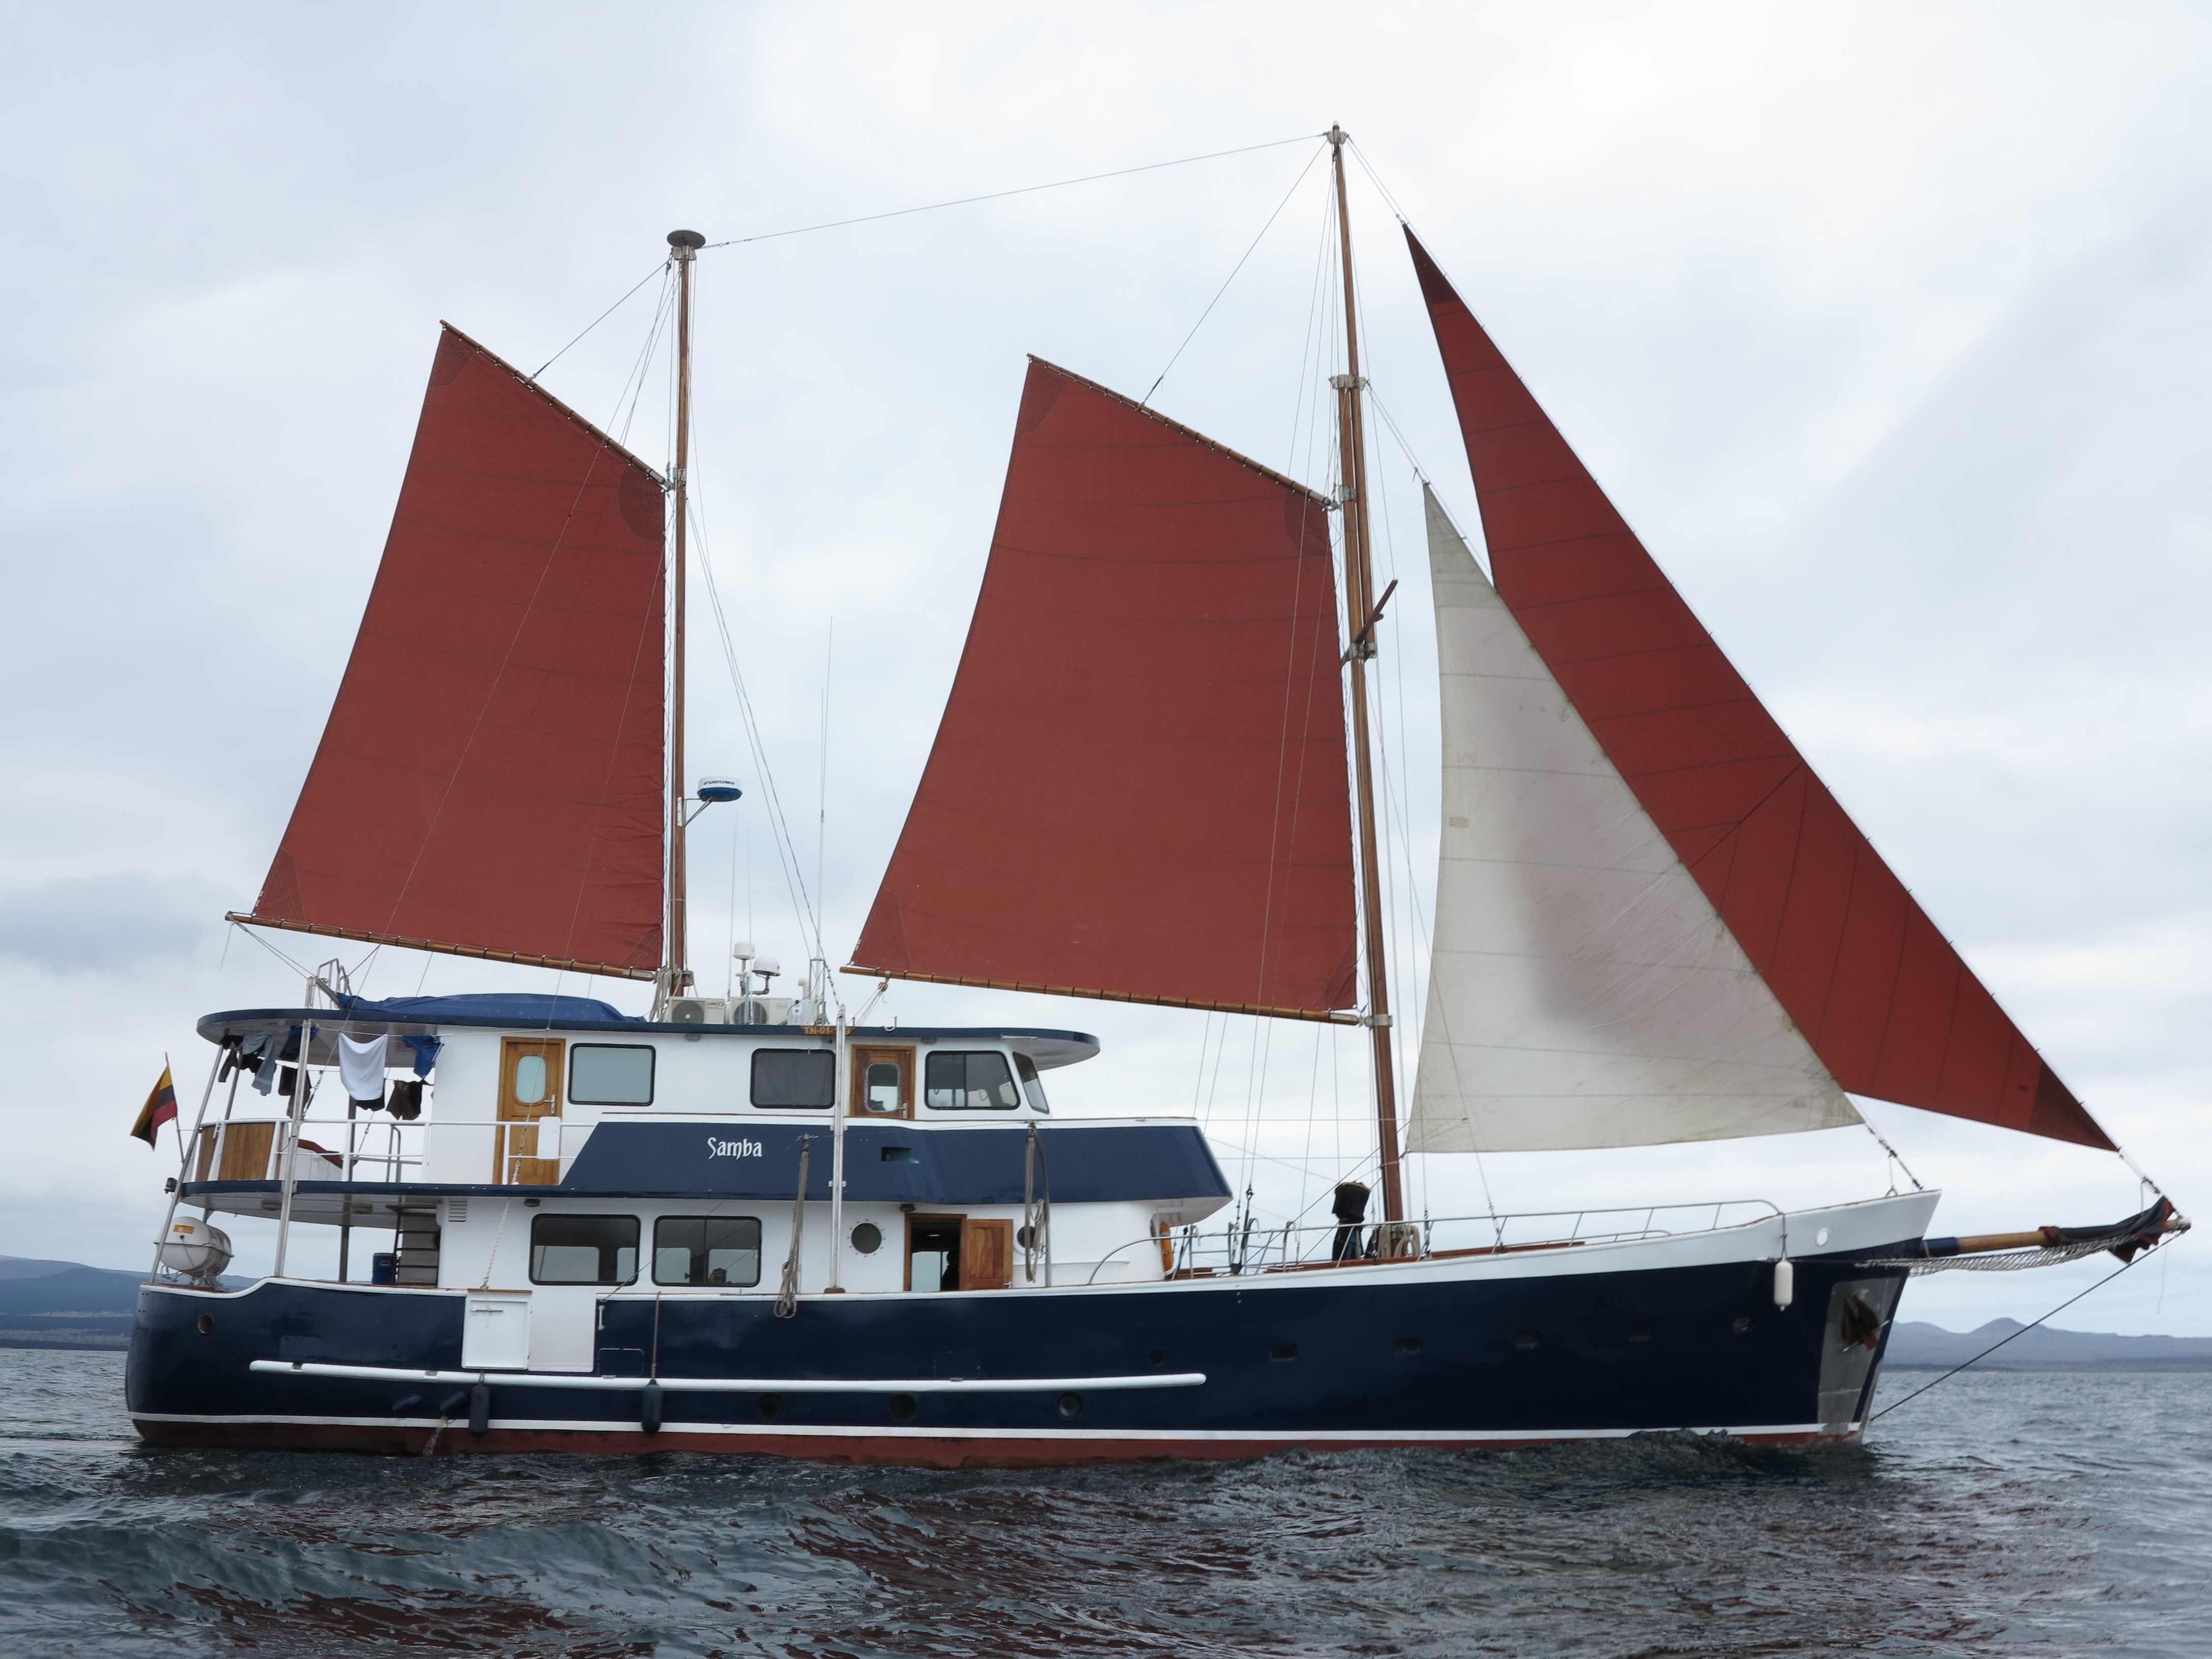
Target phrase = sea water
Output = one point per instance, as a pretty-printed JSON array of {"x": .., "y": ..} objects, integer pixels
[{"x": 2001, "y": 1514}]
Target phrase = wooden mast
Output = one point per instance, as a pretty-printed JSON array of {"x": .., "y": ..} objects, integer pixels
[
  {"x": 1361, "y": 612},
  {"x": 676, "y": 975}
]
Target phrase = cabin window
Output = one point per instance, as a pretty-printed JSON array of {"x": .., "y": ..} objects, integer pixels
[
  {"x": 970, "y": 1083},
  {"x": 583, "y": 1250},
  {"x": 610, "y": 1074},
  {"x": 789, "y": 1078},
  {"x": 691, "y": 1249},
  {"x": 1032, "y": 1084},
  {"x": 530, "y": 1079}
]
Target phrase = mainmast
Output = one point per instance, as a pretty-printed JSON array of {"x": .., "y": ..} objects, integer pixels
[
  {"x": 1361, "y": 612},
  {"x": 676, "y": 974}
]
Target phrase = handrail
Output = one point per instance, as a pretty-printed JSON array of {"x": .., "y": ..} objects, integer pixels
[{"x": 1236, "y": 1244}]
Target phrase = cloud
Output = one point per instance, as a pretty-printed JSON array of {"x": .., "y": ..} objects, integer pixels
[{"x": 105, "y": 924}]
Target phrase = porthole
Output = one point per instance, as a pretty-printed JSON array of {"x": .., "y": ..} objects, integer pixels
[
  {"x": 901, "y": 1408},
  {"x": 1526, "y": 1340},
  {"x": 206, "y": 1324},
  {"x": 1742, "y": 1323},
  {"x": 1158, "y": 1357},
  {"x": 1070, "y": 1406},
  {"x": 1026, "y": 1237},
  {"x": 867, "y": 1238},
  {"x": 1408, "y": 1346},
  {"x": 1284, "y": 1350},
  {"x": 1641, "y": 1334},
  {"x": 770, "y": 1405}
]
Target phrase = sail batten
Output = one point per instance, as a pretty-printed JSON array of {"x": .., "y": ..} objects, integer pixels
[
  {"x": 1883, "y": 1000},
  {"x": 1138, "y": 788},
  {"x": 490, "y": 781}
]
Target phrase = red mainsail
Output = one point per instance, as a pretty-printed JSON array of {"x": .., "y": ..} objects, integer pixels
[
  {"x": 489, "y": 782},
  {"x": 1137, "y": 790},
  {"x": 1887, "y": 1003}
]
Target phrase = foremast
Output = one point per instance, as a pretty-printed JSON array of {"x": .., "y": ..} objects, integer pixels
[{"x": 1362, "y": 611}]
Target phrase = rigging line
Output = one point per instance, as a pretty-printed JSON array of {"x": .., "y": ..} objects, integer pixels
[
  {"x": 1375, "y": 179},
  {"x": 601, "y": 317},
  {"x": 788, "y": 860},
  {"x": 787, "y": 854},
  {"x": 1254, "y": 248},
  {"x": 1000, "y": 195},
  {"x": 2002, "y": 1340}
]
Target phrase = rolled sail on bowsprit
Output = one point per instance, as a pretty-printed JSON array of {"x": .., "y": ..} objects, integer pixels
[
  {"x": 1138, "y": 790},
  {"x": 490, "y": 780}
]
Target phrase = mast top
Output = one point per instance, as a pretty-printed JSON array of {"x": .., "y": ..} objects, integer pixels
[
  {"x": 1335, "y": 134},
  {"x": 686, "y": 242}
]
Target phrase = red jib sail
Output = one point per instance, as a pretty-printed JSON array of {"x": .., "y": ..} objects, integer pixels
[
  {"x": 490, "y": 779},
  {"x": 1885, "y": 1001},
  {"x": 1138, "y": 788}
]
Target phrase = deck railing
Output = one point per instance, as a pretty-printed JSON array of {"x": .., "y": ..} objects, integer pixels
[{"x": 1246, "y": 1247}]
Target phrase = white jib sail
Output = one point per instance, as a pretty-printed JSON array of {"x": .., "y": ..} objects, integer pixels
[{"x": 1583, "y": 992}]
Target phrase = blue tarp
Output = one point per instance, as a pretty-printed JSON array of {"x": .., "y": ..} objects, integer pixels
[{"x": 507, "y": 1007}]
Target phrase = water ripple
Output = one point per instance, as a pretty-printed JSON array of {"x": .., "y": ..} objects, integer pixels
[{"x": 2004, "y": 1514}]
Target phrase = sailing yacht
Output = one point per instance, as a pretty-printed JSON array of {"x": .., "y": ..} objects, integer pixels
[{"x": 757, "y": 1224}]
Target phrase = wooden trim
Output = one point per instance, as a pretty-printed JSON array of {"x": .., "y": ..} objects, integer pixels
[
  {"x": 603, "y": 969},
  {"x": 1329, "y": 1016}
]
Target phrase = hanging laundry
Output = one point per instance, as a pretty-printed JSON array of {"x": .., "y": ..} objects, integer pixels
[
  {"x": 361, "y": 1068},
  {"x": 406, "y": 1101},
  {"x": 426, "y": 1052},
  {"x": 289, "y": 1083},
  {"x": 255, "y": 1054}
]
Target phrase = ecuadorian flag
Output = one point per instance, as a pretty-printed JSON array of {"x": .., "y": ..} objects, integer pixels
[{"x": 159, "y": 1108}]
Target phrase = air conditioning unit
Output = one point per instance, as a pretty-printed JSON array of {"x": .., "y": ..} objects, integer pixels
[
  {"x": 700, "y": 1011},
  {"x": 761, "y": 1011}
]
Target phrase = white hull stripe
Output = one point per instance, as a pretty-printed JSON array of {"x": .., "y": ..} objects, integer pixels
[
  {"x": 738, "y": 1384},
  {"x": 779, "y": 1431}
]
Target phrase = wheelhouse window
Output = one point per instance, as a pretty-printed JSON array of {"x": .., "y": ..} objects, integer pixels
[
  {"x": 583, "y": 1250},
  {"x": 1032, "y": 1084},
  {"x": 794, "y": 1078},
  {"x": 610, "y": 1074},
  {"x": 689, "y": 1249},
  {"x": 970, "y": 1083}
]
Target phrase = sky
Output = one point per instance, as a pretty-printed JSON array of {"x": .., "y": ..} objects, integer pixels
[{"x": 1886, "y": 325}]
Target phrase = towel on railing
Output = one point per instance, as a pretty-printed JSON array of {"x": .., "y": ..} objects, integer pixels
[{"x": 361, "y": 1069}]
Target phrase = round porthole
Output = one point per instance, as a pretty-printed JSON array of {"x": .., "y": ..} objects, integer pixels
[
  {"x": 1158, "y": 1356},
  {"x": 1026, "y": 1237},
  {"x": 206, "y": 1324},
  {"x": 1820, "y": 1237},
  {"x": 901, "y": 1408},
  {"x": 867, "y": 1238},
  {"x": 771, "y": 1405},
  {"x": 1070, "y": 1406}
]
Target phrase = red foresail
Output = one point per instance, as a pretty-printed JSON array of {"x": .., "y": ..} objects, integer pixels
[
  {"x": 1885, "y": 1002},
  {"x": 490, "y": 779},
  {"x": 1138, "y": 788}
]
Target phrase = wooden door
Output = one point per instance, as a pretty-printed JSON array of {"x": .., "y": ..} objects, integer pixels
[
  {"x": 987, "y": 1255},
  {"x": 882, "y": 1082},
  {"x": 530, "y": 1075}
]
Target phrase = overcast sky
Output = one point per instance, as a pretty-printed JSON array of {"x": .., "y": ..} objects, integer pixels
[{"x": 1887, "y": 327}]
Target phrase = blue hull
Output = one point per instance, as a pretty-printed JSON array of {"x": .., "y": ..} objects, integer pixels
[{"x": 1440, "y": 1355}]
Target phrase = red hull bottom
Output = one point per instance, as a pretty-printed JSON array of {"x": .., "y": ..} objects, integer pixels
[{"x": 913, "y": 1451}]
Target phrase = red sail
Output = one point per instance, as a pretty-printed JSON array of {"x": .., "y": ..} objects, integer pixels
[
  {"x": 1138, "y": 788},
  {"x": 1887, "y": 1003},
  {"x": 490, "y": 780}
]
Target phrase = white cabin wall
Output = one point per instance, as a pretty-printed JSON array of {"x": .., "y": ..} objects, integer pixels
[{"x": 463, "y": 1100}]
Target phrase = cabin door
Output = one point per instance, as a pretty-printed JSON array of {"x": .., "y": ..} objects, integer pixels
[
  {"x": 882, "y": 1082},
  {"x": 958, "y": 1253},
  {"x": 530, "y": 1073}
]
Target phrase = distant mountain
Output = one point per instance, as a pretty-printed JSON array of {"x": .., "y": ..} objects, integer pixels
[
  {"x": 66, "y": 1304},
  {"x": 1917, "y": 1347}
]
